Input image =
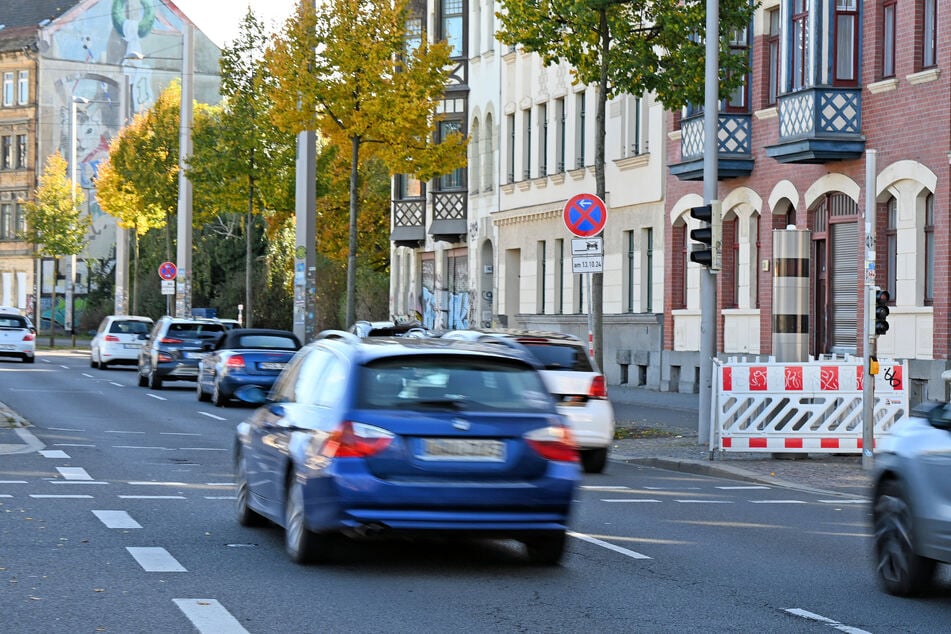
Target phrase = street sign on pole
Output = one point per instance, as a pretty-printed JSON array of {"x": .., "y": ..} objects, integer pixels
[
  {"x": 587, "y": 246},
  {"x": 167, "y": 270},
  {"x": 585, "y": 215},
  {"x": 168, "y": 287},
  {"x": 587, "y": 264}
]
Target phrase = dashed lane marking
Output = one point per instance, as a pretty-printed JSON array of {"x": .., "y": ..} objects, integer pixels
[
  {"x": 210, "y": 415},
  {"x": 54, "y": 453},
  {"x": 155, "y": 559},
  {"x": 603, "y": 544},
  {"x": 51, "y": 496},
  {"x": 812, "y": 616},
  {"x": 640, "y": 501},
  {"x": 753, "y": 487},
  {"x": 116, "y": 519},
  {"x": 778, "y": 502},
  {"x": 209, "y": 616},
  {"x": 705, "y": 501},
  {"x": 157, "y": 397},
  {"x": 73, "y": 473},
  {"x": 151, "y": 497}
]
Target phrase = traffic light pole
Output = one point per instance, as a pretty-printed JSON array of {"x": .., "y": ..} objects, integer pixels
[{"x": 870, "y": 330}]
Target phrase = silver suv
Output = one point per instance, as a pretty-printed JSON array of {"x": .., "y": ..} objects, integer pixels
[
  {"x": 572, "y": 378},
  {"x": 911, "y": 511},
  {"x": 174, "y": 348}
]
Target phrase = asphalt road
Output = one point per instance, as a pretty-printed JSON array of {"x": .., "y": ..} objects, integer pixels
[{"x": 123, "y": 522}]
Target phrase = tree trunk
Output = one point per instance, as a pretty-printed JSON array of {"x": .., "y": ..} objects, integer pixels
[
  {"x": 249, "y": 235},
  {"x": 135, "y": 272},
  {"x": 352, "y": 252},
  {"x": 597, "y": 279}
]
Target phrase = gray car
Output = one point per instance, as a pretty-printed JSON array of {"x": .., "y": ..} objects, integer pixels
[{"x": 911, "y": 510}]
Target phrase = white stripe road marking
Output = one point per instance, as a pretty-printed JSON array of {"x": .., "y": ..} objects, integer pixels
[
  {"x": 777, "y": 502},
  {"x": 209, "y": 617},
  {"x": 178, "y": 433},
  {"x": 116, "y": 384},
  {"x": 60, "y": 497},
  {"x": 123, "y": 431},
  {"x": 705, "y": 501},
  {"x": 219, "y": 484},
  {"x": 821, "y": 619},
  {"x": 141, "y": 447},
  {"x": 74, "y": 473},
  {"x": 72, "y": 444},
  {"x": 204, "y": 449},
  {"x": 221, "y": 497},
  {"x": 212, "y": 416},
  {"x": 672, "y": 488},
  {"x": 65, "y": 367},
  {"x": 66, "y": 429},
  {"x": 158, "y": 484},
  {"x": 116, "y": 519},
  {"x": 76, "y": 482},
  {"x": 13, "y": 482},
  {"x": 86, "y": 374},
  {"x": 54, "y": 453},
  {"x": 155, "y": 559},
  {"x": 624, "y": 500},
  {"x": 590, "y": 487},
  {"x": 157, "y": 397},
  {"x": 755, "y": 487},
  {"x": 858, "y": 501},
  {"x": 5, "y": 495},
  {"x": 151, "y": 497},
  {"x": 603, "y": 544}
]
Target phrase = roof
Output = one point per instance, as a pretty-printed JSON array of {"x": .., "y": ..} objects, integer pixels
[{"x": 21, "y": 20}]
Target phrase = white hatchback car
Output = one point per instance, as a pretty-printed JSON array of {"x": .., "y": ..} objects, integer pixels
[
  {"x": 571, "y": 377},
  {"x": 17, "y": 337},
  {"x": 118, "y": 340}
]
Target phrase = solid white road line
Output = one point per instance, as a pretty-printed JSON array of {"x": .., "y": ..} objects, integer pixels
[
  {"x": 209, "y": 617},
  {"x": 777, "y": 502},
  {"x": 858, "y": 501},
  {"x": 705, "y": 501},
  {"x": 154, "y": 559},
  {"x": 116, "y": 384},
  {"x": 628, "y": 501},
  {"x": 54, "y": 453},
  {"x": 210, "y": 415},
  {"x": 744, "y": 487},
  {"x": 116, "y": 519},
  {"x": 603, "y": 544},
  {"x": 13, "y": 482},
  {"x": 123, "y": 431},
  {"x": 811, "y": 616},
  {"x": 60, "y": 497},
  {"x": 151, "y": 497},
  {"x": 591, "y": 487},
  {"x": 157, "y": 397},
  {"x": 73, "y": 473}
]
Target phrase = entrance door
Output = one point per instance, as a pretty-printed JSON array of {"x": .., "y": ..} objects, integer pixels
[{"x": 835, "y": 327}]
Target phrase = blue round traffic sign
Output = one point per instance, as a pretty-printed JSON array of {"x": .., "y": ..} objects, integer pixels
[
  {"x": 167, "y": 271},
  {"x": 585, "y": 215}
]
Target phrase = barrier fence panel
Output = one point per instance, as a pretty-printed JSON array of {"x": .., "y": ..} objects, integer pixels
[{"x": 802, "y": 407}]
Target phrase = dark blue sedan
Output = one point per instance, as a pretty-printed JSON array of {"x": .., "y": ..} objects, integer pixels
[
  {"x": 244, "y": 356},
  {"x": 397, "y": 436}
]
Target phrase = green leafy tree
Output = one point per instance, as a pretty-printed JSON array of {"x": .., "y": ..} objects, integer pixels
[
  {"x": 365, "y": 91},
  {"x": 628, "y": 46},
  {"x": 55, "y": 224},
  {"x": 240, "y": 158}
]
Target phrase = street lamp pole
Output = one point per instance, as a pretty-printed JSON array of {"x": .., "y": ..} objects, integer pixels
[{"x": 73, "y": 177}]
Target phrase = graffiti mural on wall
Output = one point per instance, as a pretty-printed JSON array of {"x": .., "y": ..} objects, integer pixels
[{"x": 427, "y": 295}]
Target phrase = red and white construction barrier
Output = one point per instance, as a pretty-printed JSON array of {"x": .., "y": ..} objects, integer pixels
[{"x": 809, "y": 407}]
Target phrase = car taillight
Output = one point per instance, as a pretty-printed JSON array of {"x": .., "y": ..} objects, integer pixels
[
  {"x": 236, "y": 362},
  {"x": 599, "y": 388},
  {"x": 356, "y": 440},
  {"x": 29, "y": 336},
  {"x": 111, "y": 338},
  {"x": 170, "y": 340},
  {"x": 553, "y": 443},
  {"x": 163, "y": 357}
]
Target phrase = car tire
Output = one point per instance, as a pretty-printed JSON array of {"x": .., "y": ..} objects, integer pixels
[
  {"x": 29, "y": 359},
  {"x": 155, "y": 383},
  {"x": 546, "y": 549},
  {"x": 901, "y": 571},
  {"x": 246, "y": 516},
  {"x": 302, "y": 544},
  {"x": 594, "y": 460},
  {"x": 143, "y": 380},
  {"x": 202, "y": 395},
  {"x": 219, "y": 399},
  {"x": 92, "y": 362}
]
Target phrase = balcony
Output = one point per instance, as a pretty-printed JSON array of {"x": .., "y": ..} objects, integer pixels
[
  {"x": 449, "y": 216},
  {"x": 409, "y": 227},
  {"x": 818, "y": 125},
  {"x": 734, "y": 155}
]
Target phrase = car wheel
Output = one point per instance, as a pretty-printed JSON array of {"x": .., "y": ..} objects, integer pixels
[
  {"x": 594, "y": 460},
  {"x": 900, "y": 569},
  {"x": 92, "y": 361},
  {"x": 219, "y": 399},
  {"x": 29, "y": 359},
  {"x": 202, "y": 395},
  {"x": 155, "y": 383},
  {"x": 302, "y": 544},
  {"x": 143, "y": 380},
  {"x": 245, "y": 514},
  {"x": 546, "y": 549}
]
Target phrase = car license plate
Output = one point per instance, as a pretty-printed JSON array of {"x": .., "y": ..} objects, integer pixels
[
  {"x": 463, "y": 449},
  {"x": 131, "y": 346},
  {"x": 194, "y": 355},
  {"x": 271, "y": 365}
]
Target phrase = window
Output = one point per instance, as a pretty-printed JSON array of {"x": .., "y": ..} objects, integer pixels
[
  {"x": 452, "y": 26},
  {"x": 6, "y": 221},
  {"x": 409, "y": 186},
  {"x": 560, "y": 135},
  {"x": 526, "y": 144},
  {"x": 580, "y": 308},
  {"x": 929, "y": 35},
  {"x": 21, "y": 155},
  {"x": 541, "y": 272},
  {"x": 846, "y": 42},
  {"x": 456, "y": 178},
  {"x": 543, "y": 140},
  {"x": 6, "y": 152},
  {"x": 579, "y": 131},
  {"x": 754, "y": 256},
  {"x": 489, "y": 154},
  {"x": 414, "y": 33},
  {"x": 631, "y": 143},
  {"x": 560, "y": 277},
  {"x": 8, "y": 89},
  {"x": 800, "y": 45},
  {"x": 888, "y": 38},
  {"x": 510, "y": 160},
  {"x": 475, "y": 158},
  {"x": 648, "y": 270},
  {"x": 629, "y": 276},
  {"x": 23, "y": 87},
  {"x": 19, "y": 222},
  {"x": 731, "y": 262},
  {"x": 772, "y": 56},
  {"x": 929, "y": 249},
  {"x": 739, "y": 99},
  {"x": 891, "y": 247}
]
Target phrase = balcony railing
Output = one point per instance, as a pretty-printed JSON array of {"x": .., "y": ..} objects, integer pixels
[
  {"x": 818, "y": 125},
  {"x": 449, "y": 216},
  {"x": 409, "y": 222},
  {"x": 734, "y": 147}
]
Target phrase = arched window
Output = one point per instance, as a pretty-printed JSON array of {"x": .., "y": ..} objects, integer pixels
[
  {"x": 475, "y": 158},
  {"x": 488, "y": 175}
]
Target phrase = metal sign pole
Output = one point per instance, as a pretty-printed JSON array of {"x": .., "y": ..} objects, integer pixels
[
  {"x": 868, "y": 352},
  {"x": 590, "y": 318}
]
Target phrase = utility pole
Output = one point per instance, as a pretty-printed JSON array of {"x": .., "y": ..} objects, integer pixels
[
  {"x": 183, "y": 282},
  {"x": 870, "y": 330}
]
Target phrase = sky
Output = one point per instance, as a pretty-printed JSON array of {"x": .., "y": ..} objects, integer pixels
[{"x": 219, "y": 19}]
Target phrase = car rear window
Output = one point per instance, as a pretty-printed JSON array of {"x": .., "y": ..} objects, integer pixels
[
  {"x": 556, "y": 356},
  {"x": 267, "y": 342},
  {"x": 132, "y": 327},
  {"x": 456, "y": 382},
  {"x": 12, "y": 321},
  {"x": 194, "y": 331}
]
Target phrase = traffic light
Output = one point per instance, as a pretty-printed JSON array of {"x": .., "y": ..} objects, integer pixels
[
  {"x": 708, "y": 235},
  {"x": 881, "y": 312}
]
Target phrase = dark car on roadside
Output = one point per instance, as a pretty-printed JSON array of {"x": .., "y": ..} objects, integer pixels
[
  {"x": 911, "y": 500},
  {"x": 172, "y": 350},
  {"x": 244, "y": 356},
  {"x": 406, "y": 437}
]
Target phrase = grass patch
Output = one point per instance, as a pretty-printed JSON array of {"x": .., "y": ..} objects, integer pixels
[{"x": 639, "y": 432}]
